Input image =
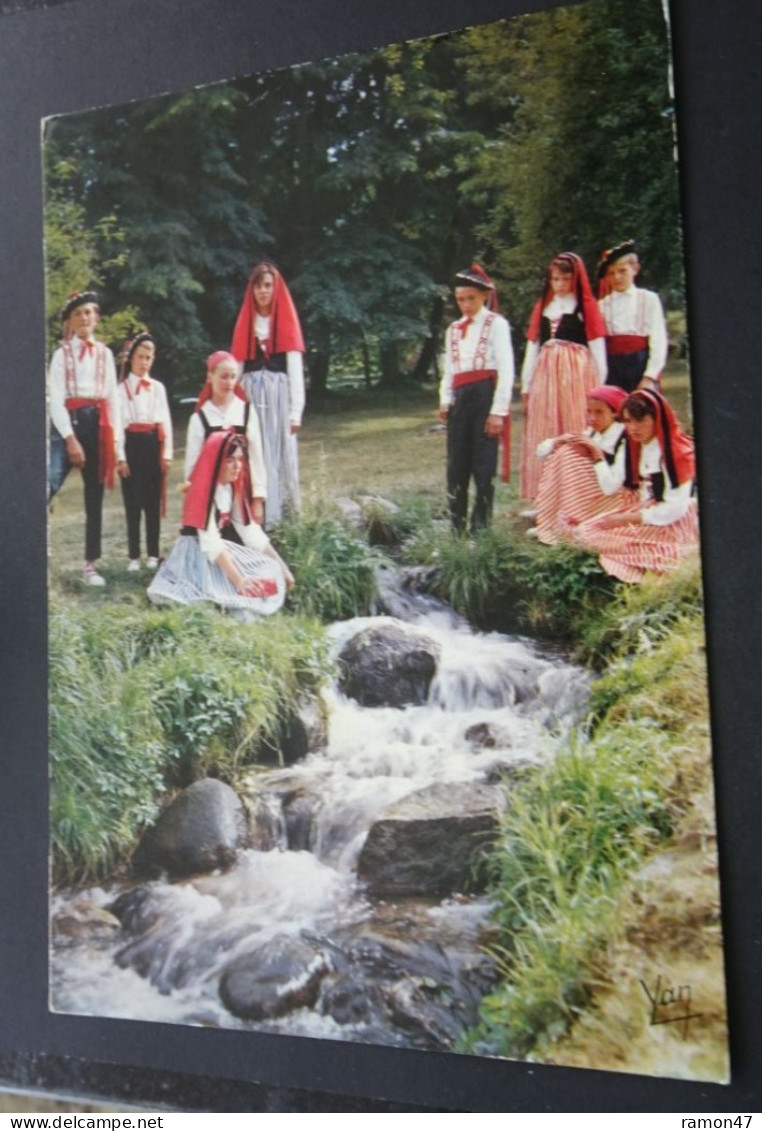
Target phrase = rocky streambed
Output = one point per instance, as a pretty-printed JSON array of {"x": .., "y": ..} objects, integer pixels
[{"x": 340, "y": 894}]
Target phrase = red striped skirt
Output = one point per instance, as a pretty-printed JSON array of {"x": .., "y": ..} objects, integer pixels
[
  {"x": 629, "y": 552},
  {"x": 564, "y": 374},
  {"x": 569, "y": 494}
]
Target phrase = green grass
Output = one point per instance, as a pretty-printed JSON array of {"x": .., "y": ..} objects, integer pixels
[
  {"x": 576, "y": 830},
  {"x": 501, "y": 580},
  {"x": 142, "y": 700}
]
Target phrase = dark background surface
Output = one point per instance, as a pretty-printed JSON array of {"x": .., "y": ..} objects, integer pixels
[{"x": 76, "y": 54}]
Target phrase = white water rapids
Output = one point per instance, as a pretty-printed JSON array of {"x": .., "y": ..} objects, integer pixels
[{"x": 496, "y": 702}]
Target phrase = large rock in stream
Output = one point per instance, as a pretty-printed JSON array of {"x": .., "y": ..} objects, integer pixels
[
  {"x": 388, "y": 665},
  {"x": 432, "y": 842},
  {"x": 201, "y": 830}
]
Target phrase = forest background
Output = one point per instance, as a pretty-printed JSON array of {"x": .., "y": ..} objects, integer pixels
[{"x": 370, "y": 179}]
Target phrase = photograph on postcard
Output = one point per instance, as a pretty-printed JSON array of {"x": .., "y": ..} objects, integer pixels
[{"x": 343, "y": 745}]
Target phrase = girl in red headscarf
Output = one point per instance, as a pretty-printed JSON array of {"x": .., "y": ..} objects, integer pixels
[
  {"x": 662, "y": 528},
  {"x": 583, "y": 474},
  {"x": 222, "y": 407},
  {"x": 267, "y": 339},
  {"x": 565, "y": 358},
  {"x": 222, "y": 555}
]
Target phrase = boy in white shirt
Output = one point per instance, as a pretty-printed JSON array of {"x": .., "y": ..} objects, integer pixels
[{"x": 86, "y": 430}]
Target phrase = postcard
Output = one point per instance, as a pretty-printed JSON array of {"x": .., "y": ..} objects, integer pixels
[{"x": 455, "y": 794}]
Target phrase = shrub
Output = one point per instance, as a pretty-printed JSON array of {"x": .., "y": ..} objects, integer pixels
[
  {"x": 144, "y": 699},
  {"x": 334, "y": 569}
]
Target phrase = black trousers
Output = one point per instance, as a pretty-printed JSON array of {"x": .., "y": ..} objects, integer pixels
[
  {"x": 85, "y": 424},
  {"x": 141, "y": 490},
  {"x": 470, "y": 454},
  {"x": 626, "y": 369}
]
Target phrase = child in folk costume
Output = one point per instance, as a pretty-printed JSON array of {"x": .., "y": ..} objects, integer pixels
[
  {"x": 475, "y": 397},
  {"x": 223, "y": 406},
  {"x": 147, "y": 447},
  {"x": 222, "y": 555},
  {"x": 583, "y": 475},
  {"x": 636, "y": 333},
  {"x": 86, "y": 431},
  {"x": 268, "y": 340},
  {"x": 663, "y": 528},
  {"x": 565, "y": 358}
]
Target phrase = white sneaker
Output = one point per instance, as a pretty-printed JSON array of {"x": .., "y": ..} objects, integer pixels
[
  {"x": 532, "y": 513},
  {"x": 134, "y": 566},
  {"x": 153, "y": 563},
  {"x": 90, "y": 575},
  {"x": 532, "y": 532}
]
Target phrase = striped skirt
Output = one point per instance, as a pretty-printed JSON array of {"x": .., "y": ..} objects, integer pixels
[
  {"x": 569, "y": 494},
  {"x": 269, "y": 394},
  {"x": 187, "y": 577},
  {"x": 629, "y": 552},
  {"x": 564, "y": 374}
]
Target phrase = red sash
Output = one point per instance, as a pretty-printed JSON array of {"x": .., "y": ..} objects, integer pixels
[
  {"x": 106, "y": 456},
  {"x": 617, "y": 344},
  {"x": 471, "y": 376}
]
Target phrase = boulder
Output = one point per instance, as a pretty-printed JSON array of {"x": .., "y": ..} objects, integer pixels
[
  {"x": 300, "y": 733},
  {"x": 388, "y": 665},
  {"x": 432, "y": 842},
  {"x": 277, "y": 977},
  {"x": 85, "y": 920},
  {"x": 200, "y": 831},
  {"x": 350, "y": 511}
]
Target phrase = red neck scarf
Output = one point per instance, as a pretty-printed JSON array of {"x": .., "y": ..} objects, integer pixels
[
  {"x": 285, "y": 329},
  {"x": 199, "y": 499},
  {"x": 593, "y": 319},
  {"x": 676, "y": 448}
]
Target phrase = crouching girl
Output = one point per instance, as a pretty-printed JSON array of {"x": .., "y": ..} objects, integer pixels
[{"x": 222, "y": 555}]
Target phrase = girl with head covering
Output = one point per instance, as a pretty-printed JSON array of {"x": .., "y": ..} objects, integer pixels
[
  {"x": 267, "y": 339},
  {"x": 583, "y": 474},
  {"x": 222, "y": 555},
  {"x": 655, "y": 534},
  {"x": 565, "y": 358},
  {"x": 222, "y": 407},
  {"x": 147, "y": 447}
]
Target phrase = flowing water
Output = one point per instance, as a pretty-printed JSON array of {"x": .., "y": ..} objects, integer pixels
[{"x": 404, "y": 969}]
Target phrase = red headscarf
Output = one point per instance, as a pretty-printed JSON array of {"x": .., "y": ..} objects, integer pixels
[
  {"x": 611, "y": 395},
  {"x": 199, "y": 498},
  {"x": 212, "y": 362},
  {"x": 676, "y": 448},
  {"x": 285, "y": 329},
  {"x": 593, "y": 319}
]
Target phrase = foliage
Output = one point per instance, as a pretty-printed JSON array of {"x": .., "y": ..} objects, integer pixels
[
  {"x": 577, "y": 829},
  {"x": 142, "y": 699},
  {"x": 333, "y": 567},
  {"x": 370, "y": 179}
]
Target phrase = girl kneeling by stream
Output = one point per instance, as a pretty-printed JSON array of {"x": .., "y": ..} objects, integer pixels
[
  {"x": 222, "y": 555},
  {"x": 655, "y": 534}
]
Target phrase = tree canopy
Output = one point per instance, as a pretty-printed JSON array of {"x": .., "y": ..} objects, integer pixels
[{"x": 370, "y": 179}]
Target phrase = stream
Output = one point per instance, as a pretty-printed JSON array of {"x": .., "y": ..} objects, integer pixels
[{"x": 365, "y": 919}]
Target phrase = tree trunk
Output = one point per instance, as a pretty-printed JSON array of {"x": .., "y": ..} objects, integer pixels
[
  {"x": 428, "y": 357},
  {"x": 366, "y": 363},
  {"x": 390, "y": 373},
  {"x": 319, "y": 362}
]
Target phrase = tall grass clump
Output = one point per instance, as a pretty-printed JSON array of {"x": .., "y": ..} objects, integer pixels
[
  {"x": 500, "y": 580},
  {"x": 334, "y": 568},
  {"x": 142, "y": 700},
  {"x": 578, "y": 829}
]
